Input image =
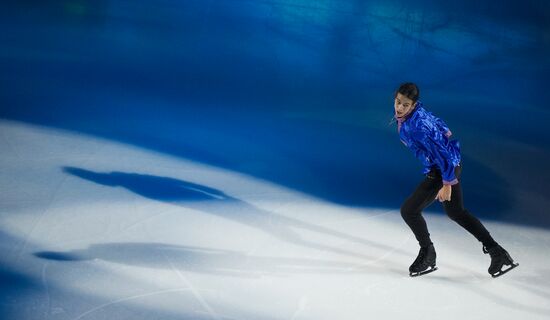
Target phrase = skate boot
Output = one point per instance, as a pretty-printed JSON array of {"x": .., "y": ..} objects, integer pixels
[
  {"x": 499, "y": 259},
  {"x": 424, "y": 263}
]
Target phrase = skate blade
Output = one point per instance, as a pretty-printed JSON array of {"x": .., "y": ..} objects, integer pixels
[
  {"x": 416, "y": 274},
  {"x": 512, "y": 266}
]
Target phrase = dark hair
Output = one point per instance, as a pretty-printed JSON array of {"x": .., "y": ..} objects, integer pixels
[{"x": 409, "y": 90}]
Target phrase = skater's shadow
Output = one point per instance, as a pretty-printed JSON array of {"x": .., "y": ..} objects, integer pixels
[
  {"x": 202, "y": 260},
  {"x": 213, "y": 201}
]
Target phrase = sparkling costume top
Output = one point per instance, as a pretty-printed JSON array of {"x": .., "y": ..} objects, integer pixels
[{"x": 428, "y": 138}]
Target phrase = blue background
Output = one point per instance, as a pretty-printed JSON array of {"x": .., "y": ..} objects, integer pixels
[{"x": 299, "y": 93}]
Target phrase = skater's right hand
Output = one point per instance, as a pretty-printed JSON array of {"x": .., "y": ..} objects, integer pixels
[{"x": 444, "y": 193}]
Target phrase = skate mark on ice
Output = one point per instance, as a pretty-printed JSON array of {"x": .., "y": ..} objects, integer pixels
[
  {"x": 384, "y": 256},
  {"x": 146, "y": 219},
  {"x": 39, "y": 220},
  {"x": 46, "y": 287},
  {"x": 194, "y": 291},
  {"x": 129, "y": 299},
  {"x": 47, "y": 207}
]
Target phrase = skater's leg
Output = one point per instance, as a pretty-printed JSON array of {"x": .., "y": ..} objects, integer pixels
[
  {"x": 501, "y": 262},
  {"x": 411, "y": 210},
  {"x": 456, "y": 211}
]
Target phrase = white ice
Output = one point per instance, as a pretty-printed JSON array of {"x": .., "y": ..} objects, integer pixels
[{"x": 238, "y": 248}]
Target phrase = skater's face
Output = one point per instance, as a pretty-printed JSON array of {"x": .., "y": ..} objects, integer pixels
[{"x": 403, "y": 105}]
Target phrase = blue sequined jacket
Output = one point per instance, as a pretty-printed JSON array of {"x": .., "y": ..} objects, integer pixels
[{"x": 428, "y": 138}]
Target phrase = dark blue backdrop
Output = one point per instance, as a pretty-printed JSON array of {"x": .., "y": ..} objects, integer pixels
[{"x": 296, "y": 92}]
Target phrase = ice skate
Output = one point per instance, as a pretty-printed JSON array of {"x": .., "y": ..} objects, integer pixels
[
  {"x": 424, "y": 263},
  {"x": 499, "y": 259}
]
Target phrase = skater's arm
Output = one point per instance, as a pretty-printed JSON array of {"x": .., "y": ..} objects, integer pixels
[
  {"x": 444, "y": 161},
  {"x": 433, "y": 143}
]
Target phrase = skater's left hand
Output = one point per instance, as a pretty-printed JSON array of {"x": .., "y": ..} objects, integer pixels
[{"x": 444, "y": 193}]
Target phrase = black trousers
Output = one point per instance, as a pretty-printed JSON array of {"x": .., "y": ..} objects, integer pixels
[{"x": 425, "y": 194}]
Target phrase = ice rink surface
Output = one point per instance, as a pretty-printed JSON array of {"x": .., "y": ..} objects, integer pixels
[{"x": 95, "y": 229}]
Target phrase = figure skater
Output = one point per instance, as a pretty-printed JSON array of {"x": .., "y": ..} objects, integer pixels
[{"x": 428, "y": 137}]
